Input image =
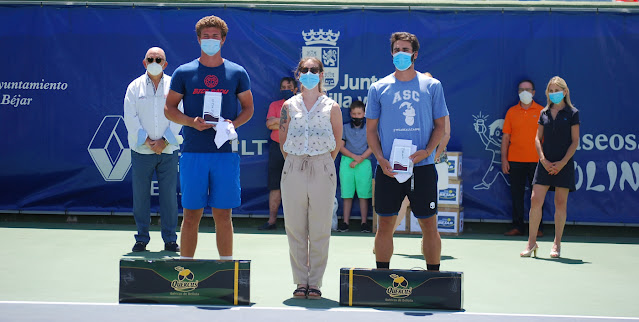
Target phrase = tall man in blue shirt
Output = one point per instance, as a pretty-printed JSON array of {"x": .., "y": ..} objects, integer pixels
[
  {"x": 209, "y": 176},
  {"x": 411, "y": 106}
]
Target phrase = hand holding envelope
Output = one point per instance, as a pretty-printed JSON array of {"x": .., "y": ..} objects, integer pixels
[
  {"x": 212, "y": 107},
  {"x": 400, "y": 160}
]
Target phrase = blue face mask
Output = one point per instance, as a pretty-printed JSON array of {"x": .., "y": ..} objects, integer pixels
[
  {"x": 402, "y": 60},
  {"x": 210, "y": 46},
  {"x": 556, "y": 97},
  {"x": 286, "y": 94},
  {"x": 309, "y": 80}
]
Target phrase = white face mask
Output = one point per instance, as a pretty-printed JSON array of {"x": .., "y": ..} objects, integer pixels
[
  {"x": 154, "y": 68},
  {"x": 525, "y": 97}
]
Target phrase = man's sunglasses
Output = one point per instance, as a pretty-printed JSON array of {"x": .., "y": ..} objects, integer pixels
[
  {"x": 157, "y": 60},
  {"x": 313, "y": 70}
]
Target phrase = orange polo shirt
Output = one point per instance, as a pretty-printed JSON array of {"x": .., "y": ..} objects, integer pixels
[{"x": 522, "y": 125}]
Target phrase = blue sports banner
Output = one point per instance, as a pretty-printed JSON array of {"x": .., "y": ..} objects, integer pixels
[{"x": 67, "y": 69}]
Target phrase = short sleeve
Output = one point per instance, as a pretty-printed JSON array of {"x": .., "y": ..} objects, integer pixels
[
  {"x": 574, "y": 120},
  {"x": 507, "y": 126},
  {"x": 373, "y": 106},
  {"x": 245, "y": 82},
  {"x": 177, "y": 81},
  {"x": 273, "y": 110},
  {"x": 439, "y": 102}
]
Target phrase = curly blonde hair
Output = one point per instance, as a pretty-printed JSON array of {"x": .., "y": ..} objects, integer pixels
[{"x": 211, "y": 21}]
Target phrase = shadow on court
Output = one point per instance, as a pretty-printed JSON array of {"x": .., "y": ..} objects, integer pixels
[
  {"x": 420, "y": 256},
  {"x": 564, "y": 260},
  {"x": 151, "y": 254},
  {"x": 322, "y": 303}
]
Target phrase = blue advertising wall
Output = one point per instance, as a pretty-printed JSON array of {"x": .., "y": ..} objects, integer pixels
[{"x": 66, "y": 69}]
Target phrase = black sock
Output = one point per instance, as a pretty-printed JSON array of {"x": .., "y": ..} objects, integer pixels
[
  {"x": 385, "y": 265},
  {"x": 433, "y": 267}
]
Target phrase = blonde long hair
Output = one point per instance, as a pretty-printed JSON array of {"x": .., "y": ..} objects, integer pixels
[
  {"x": 562, "y": 84},
  {"x": 320, "y": 88}
]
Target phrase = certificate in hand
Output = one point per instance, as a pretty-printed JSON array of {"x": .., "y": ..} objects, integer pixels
[
  {"x": 212, "y": 107},
  {"x": 400, "y": 159},
  {"x": 400, "y": 153}
]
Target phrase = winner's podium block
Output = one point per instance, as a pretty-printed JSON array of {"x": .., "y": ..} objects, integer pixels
[
  {"x": 175, "y": 281},
  {"x": 401, "y": 288}
]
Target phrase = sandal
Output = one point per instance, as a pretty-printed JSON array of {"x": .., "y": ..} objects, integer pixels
[
  {"x": 300, "y": 293},
  {"x": 314, "y": 294}
]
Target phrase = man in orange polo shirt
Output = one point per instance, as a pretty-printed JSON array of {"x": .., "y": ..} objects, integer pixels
[{"x": 518, "y": 153}]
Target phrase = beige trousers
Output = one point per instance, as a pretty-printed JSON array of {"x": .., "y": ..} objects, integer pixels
[{"x": 308, "y": 188}]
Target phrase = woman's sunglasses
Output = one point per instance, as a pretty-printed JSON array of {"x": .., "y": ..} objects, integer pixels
[
  {"x": 313, "y": 70},
  {"x": 157, "y": 60}
]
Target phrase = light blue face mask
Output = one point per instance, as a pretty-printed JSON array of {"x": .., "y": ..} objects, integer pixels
[
  {"x": 556, "y": 97},
  {"x": 210, "y": 46},
  {"x": 309, "y": 80},
  {"x": 402, "y": 60}
]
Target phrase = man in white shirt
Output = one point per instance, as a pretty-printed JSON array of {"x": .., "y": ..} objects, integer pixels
[{"x": 154, "y": 148}]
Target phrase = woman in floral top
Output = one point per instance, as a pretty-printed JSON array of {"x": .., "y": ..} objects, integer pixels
[{"x": 310, "y": 138}]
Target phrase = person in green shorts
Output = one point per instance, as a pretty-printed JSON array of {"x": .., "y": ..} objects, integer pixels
[{"x": 355, "y": 172}]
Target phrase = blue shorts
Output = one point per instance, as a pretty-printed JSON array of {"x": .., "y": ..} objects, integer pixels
[{"x": 210, "y": 180}]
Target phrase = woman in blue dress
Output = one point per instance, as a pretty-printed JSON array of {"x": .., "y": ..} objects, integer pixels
[{"x": 556, "y": 141}]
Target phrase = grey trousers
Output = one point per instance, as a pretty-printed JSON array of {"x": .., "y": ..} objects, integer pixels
[{"x": 308, "y": 188}]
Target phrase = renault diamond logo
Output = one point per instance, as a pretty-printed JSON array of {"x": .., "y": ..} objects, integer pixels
[{"x": 108, "y": 151}]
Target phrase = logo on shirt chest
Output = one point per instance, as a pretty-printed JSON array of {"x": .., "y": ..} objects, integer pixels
[
  {"x": 211, "y": 81},
  {"x": 409, "y": 113},
  {"x": 406, "y": 95},
  {"x": 407, "y": 98}
]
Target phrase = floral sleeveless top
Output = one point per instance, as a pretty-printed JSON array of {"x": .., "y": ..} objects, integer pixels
[{"x": 310, "y": 132}]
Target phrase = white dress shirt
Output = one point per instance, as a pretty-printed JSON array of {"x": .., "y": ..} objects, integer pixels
[{"x": 144, "y": 115}]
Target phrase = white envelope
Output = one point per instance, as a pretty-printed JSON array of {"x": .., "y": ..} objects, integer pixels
[
  {"x": 400, "y": 161},
  {"x": 212, "y": 107}
]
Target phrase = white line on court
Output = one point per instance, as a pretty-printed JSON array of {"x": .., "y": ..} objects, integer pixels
[{"x": 338, "y": 309}]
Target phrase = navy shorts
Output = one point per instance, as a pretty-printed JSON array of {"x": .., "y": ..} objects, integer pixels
[{"x": 422, "y": 193}]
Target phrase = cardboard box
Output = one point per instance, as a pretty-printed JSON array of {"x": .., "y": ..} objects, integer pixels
[
  {"x": 454, "y": 164},
  {"x": 401, "y": 288},
  {"x": 404, "y": 224},
  {"x": 175, "y": 281},
  {"x": 402, "y": 228},
  {"x": 450, "y": 221},
  {"x": 451, "y": 196}
]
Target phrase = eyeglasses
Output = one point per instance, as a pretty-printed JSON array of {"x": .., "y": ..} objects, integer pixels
[
  {"x": 313, "y": 70},
  {"x": 529, "y": 90},
  {"x": 157, "y": 60}
]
